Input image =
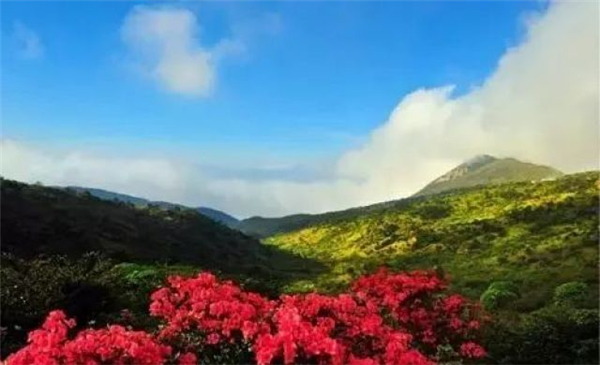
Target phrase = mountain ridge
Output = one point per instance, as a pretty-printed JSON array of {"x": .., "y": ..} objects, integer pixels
[
  {"x": 214, "y": 214},
  {"x": 491, "y": 170}
]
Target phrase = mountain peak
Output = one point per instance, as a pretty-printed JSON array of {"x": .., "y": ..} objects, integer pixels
[
  {"x": 480, "y": 160},
  {"x": 484, "y": 170}
]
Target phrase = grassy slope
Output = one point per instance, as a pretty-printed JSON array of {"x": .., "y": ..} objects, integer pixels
[
  {"x": 38, "y": 220},
  {"x": 536, "y": 234}
]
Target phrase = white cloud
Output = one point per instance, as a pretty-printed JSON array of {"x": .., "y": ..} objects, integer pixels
[
  {"x": 540, "y": 104},
  {"x": 157, "y": 177},
  {"x": 164, "y": 43},
  {"x": 28, "y": 42}
]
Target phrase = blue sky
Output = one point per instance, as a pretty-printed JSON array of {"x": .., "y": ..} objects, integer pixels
[
  {"x": 289, "y": 91},
  {"x": 323, "y": 78}
]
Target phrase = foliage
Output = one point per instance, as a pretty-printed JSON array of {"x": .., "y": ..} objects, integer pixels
[
  {"x": 93, "y": 289},
  {"x": 498, "y": 294},
  {"x": 551, "y": 335},
  {"x": 536, "y": 236},
  {"x": 528, "y": 250},
  {"x": 572, "y": 294},
  {"x": 385, "y": 318},
  {"x": 114, "y": 345},
  {"x": 85, "y": 288}
]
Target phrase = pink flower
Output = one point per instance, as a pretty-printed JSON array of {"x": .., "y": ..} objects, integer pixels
[
  {"x": 188, "y": 358},
  {"x": 472, "y": 350}
]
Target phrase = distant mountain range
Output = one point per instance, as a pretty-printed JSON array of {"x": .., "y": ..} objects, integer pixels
[
  {"x": 487, "y": 170},
  {"x": 213, "y": 214}
]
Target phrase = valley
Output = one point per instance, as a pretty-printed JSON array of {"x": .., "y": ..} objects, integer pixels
[{"x": 511, "y": 245}]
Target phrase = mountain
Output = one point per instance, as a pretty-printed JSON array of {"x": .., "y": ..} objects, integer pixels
[
  {"x": 43, "y": 220},
  {"x": 110, "y": 195},
  {"x": 213, "y": 214},
  {"x": 536, "y": 234},
  {"x": 263, "y": 227},
  {"x": 218, "y": 216},
  {"x": 485, "y": 170}
]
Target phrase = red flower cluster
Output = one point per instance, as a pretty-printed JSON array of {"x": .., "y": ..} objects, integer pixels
[
  {"x": 384, "y": 319},
  {"x": 114, "y": 345},
  {"x": 334, "y": 330},
  {"x": 221, "y": 310},
  {"x": 414, "y": 302}
]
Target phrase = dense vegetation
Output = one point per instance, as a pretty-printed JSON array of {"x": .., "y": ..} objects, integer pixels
[
  {"x": 534, "y": 234},
  {"x": 384, "y": 318}
]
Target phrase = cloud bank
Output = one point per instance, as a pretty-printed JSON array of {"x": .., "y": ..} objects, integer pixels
[{"x": 539, "y": 105}]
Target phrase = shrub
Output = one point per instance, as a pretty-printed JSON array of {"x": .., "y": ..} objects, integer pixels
[
  {"x": 498, "y": 294},
  {"x": 85, "y": 288},
  {"x": 571, "y": 294},
  {"x": 113, "y": 345},
  {"x": 551, "y": 335}
]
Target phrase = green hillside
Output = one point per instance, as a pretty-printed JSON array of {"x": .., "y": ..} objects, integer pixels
[
  {"x": 41, "y": 220},
  {"x": 538, "y": 235},
  {"x": 528, "y": 251},
  {"x": 264, "y": 227},
  {"x": 486, "y": 170}
]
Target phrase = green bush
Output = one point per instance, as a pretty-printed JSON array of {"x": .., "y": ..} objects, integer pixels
[
  {"x": 571, "y": 294},
  {"x": 499, "y": 294},
  {"x": 85, "y": 288},
  {"x": 551, "y": 335}
]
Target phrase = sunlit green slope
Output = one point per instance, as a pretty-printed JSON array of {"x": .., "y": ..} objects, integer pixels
[{"x": 537, "y": 235}]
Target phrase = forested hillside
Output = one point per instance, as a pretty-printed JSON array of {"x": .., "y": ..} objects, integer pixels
[{"x": 41, "y": 220}]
